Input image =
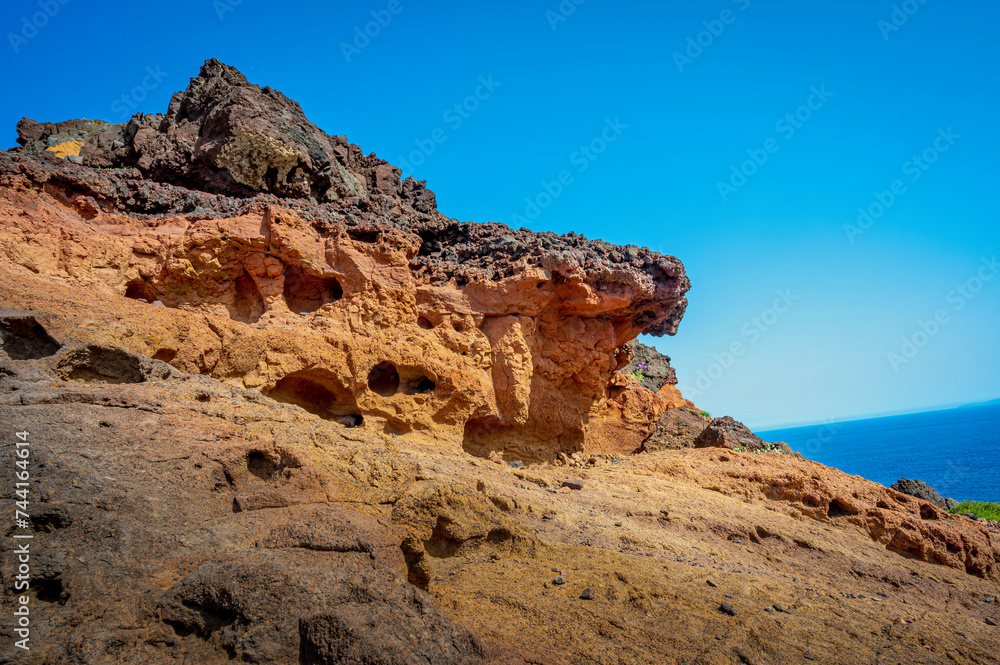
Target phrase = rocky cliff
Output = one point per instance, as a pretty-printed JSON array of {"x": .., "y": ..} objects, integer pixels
[
  {"x": 270, "y": 391},
  {"x": 293, "y": 264}
]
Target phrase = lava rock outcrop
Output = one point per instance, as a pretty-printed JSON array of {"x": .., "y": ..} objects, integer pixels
[{"x": 921, "y": 490}]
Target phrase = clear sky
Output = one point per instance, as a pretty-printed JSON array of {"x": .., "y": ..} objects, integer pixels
[{"x": 654, "y": 109}]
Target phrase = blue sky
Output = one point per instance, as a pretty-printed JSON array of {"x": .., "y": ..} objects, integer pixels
[{"x": 832, "y": 104}]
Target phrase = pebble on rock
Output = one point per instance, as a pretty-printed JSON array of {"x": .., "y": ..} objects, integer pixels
[
  {"x": 990, "y": 622},
  {"x": 588, "y": 594},
  {"x": 559, "y": 580},
  {"x": 573, "y": 484},
  {"x": 726, "y": 608},
  {"x": 712, "y": 584}
]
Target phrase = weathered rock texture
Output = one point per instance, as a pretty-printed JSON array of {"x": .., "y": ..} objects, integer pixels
[
  {"x": 293, "y": 264},
  {"x": 179, "y": 519}
]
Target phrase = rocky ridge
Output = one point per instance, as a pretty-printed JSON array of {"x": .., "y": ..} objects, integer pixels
[{"x": 513, "y": 339}]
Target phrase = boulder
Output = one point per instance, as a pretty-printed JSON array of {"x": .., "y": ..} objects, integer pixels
[
  {"x": 922, "y": 490},
  {"x": 726, "y": 432}
]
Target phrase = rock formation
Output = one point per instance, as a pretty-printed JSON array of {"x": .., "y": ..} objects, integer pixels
[
  {"x": 310, "y": 272},
  {"x": 922, "y": 490},
  {"x": 270, "y": 391}
]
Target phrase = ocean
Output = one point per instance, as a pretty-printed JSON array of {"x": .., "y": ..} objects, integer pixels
[{"x": 957, "y": 451}]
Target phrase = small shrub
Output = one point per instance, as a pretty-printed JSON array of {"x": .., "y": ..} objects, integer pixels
[
  {"x": 981, "y": 509},
  {"x": 706, "y": 414},
  {"x": 766, "y": 449}
]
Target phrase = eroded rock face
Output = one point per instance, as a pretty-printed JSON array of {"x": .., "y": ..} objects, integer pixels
[
  {"x": 332, "y": 285},
  {"x": 174, "y": 517}
]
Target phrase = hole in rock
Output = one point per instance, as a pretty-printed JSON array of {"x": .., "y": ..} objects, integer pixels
[
  {"x": 363, "y": 234},
  {"x": 352, "y": 420},
  {"x": 384, "y": 379},
  {"x": 98, "y": 364},
  {"x": 457, "y": 325},
  {"x": 26, "y": 339},
  {"x": 614, "y": 392},
  {"x": 307, "y": 293},
  {"x": 840, "y": 509},
  {"x": 166, "y": 355},
  {"x": 425, "y": 323},
  {"x": 419, "y": 386},
  {"x": 50, "y": 590},
  {"x": 215, "y": 615},
  {"x": 271, "y": 178},
  {"x": 927, "y": 512},
  {"x": 317, "y": 391},
  {"x": 49, "y": 522},
  {"x": 138, "y": 289},
  {"x": 248, "y": 304},
  {"x": 442, "y": 544},
  {"x": 497, "y": 536},
  {"x": 396, "y": 428},
  {"x": 260, "y": 466}
]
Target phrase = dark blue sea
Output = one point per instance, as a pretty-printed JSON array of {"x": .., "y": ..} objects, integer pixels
[{"x": 957, "y": 452}]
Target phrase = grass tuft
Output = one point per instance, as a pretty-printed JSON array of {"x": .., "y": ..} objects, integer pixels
[{"x": 982, "y": 509}]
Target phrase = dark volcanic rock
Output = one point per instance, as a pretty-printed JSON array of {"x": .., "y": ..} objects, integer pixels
[
  {"x": 726, "y": 432},
  {"x": 225, "y": 135},
  {"x": 35, "y": 137},
  {"x": 655, "y": 367},
  {"x": 676, "y": 429},
  {"x": 922, "y": 490}
]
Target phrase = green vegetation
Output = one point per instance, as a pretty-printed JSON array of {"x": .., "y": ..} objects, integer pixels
[
  {"x": 706, "y": 414},
  {"x": 982, "y": 509}
]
